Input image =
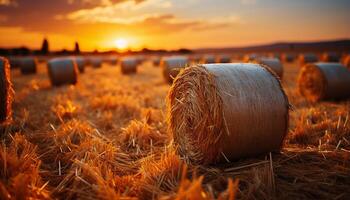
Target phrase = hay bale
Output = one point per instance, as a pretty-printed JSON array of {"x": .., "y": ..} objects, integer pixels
[
  {"x": 28, "y": 65},
  {"x": 81, "y": 62},
  {"x": 208, "y": 59},
  {"x": 307, "y": 58},
  {"x": 171, "y": 66},
  {"x": 347, "y": 61},
  {"x": 331, "y": 57},
  {"x": 223, "y": 112},
  {"x": 287, "y": 57},
  {"x": 95, "y": 62},
  {"x": 250, "y": 57},
  {"x": 224, "y": 59},
  {"x": 156, "y": 60},
  {"x": 62, "y": 71},
  {"x": 14, "y": 62},
  {"x": 273, "y": 63},
  {"x": 129, "y": 65},
  {"x": 6, "y": 92},
  {"x": 323, "y": 81}
]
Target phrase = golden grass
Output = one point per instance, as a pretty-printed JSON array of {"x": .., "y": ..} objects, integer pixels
[{"x": 108, "y": 139}]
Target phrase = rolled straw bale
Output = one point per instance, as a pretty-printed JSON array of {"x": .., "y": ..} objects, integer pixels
[
  {"x": 323, "y": 81},
  {"x": 156, "y": 60},
  {"x": 195, "y": 58},
  {"x": 81, "y": 62},
  {"x": 95, "y": 62},
  {"x": 129, "y": 65},
  {"x": 347, "y": 61},
  {"x": 62, "y": 71},
  {"x": 287, "y": 57},
  {"x": 331, "y": 57},
  {"x": 208, "y": 59},
  {"x": 307, "y": 58},
  {"x": 28, "y": 65},
  {"x": 6, "y": 92},
  {"x": 250, "y": 57},
  {"x": 14, "y": 62},
  {"x": 223, "y": 112},
  {"x": 224, "y": 59},
  {"x": 171, "y": 66},
  {"x": 273, "y": 63}
]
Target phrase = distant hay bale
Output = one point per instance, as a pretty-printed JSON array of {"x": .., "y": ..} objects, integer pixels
[
  {"x": 81, "y": 63},
  {"x": 287, "y": 57},
  {"x": 347, "y": 62},
  {"x": 6, "y": 92},
  {"x": 250, "y": 57},
  {"x": 331, "y": 57},
  {"x": 95, "y": 62},
  {"x": 195, "y": 58},
  {"x": 223, "y": 112},
  {"x": 28, "y": 65},
  {"x": 129, "y": 65},
  {"x": 307, "y": 58},
  {"x": 224, "y": 59},
  {"x": 324, "y": 81},
  {"x": 62, "y": 71},
  {"x": 14, "y": 62},
  {"x": 156, "y": 60},
  {"x": 172, "y": 65},
  {"x": 273, "y": 63},
  {"x": 208, "y": 59}
]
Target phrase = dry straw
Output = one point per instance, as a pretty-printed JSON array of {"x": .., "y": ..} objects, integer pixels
[
  {"x": 6, "y": 92},
  {"x": 273, "y": 63},
  {"x": 307, "y": 58},
  {"x": 62, "y": 71},
  {"x": 171, "y": 66},
  {"x": 128, "y": 65},
  {"x": 28, "y": 65},
  {"x": 223, "y": 112},
  {"x": 322, "y": 81}
]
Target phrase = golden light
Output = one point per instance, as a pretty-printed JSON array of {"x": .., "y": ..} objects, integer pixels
[{"x": 121, "y": 43}]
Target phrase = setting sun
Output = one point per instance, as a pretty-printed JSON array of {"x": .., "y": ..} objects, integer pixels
[{"x": 121, "y": 43}]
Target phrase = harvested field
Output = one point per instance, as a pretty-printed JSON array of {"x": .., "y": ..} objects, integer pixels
[{"x": 107, "y": 138}]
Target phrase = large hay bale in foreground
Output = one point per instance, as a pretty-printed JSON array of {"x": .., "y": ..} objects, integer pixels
[
  {"x": 6, "y": 92},
  {"x": 28, "y": 65},
  {"x": 273, "y": 63},
  {"x": 62, "y": 71},
  {"x": 129, "y": 65},
  {"x": 223, "y": 112},
  {"x": 307, "y": 58},
  {"x": 172, "y": 65},
  {"x": 322, "y": 81}
]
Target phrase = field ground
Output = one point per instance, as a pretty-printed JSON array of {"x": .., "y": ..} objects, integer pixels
[{"x": 107, "y": 138}]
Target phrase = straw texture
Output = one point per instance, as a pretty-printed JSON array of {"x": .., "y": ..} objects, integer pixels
[
  {"x": 6, "y": 92},
  {"x": 222, "y": 112},
  {"x": 62, "y": 71},
  {"x": 273, "y": 63},
  {"x": 28, "y": 65},
  {"x": 129, "y": 65},
  {"x": 171, "y": 66},
  {"x": 322, "y": 81}
]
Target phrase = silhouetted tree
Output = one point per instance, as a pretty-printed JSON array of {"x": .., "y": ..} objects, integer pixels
[
  {"x": 45, "y": 47},
  {"x": 77, "y": 48}
]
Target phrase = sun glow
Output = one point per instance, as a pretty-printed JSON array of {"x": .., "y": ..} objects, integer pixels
[{"x": 121, "y": 43}]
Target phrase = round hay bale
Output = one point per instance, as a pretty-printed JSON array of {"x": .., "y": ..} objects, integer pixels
[
  {"x": 208, "y": 59},
  {"x": 307, "y": 58},
  {"x": 195, "y": 58},
  {"x": 324, "y": 81},
  {"x": 156, "y": 60},
  {"x": 224, "y": 59},
  {"x": 273, "y": 63},
  {"x": 28, "y": 65},
  {"x": 62, "y": 71},
  {"x": 14, "y": 62},
  {"x": 347, "y": 61},
  {"x": 96, "y": 62},
  {"x": 331, "y": 57},
  {"x": 288, "y": 57},
  {"x": 172, "y": 65},
  {"x": 81, "y": 62},
  {"x": 6, "y": 92},
  {"x": 129, "y": 65},
  {"x": 250, "y": 57},
  {"x": 223, "y": 112}
]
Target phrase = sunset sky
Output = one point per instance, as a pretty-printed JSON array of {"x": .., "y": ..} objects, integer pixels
[{"x": 169, "y": 24}]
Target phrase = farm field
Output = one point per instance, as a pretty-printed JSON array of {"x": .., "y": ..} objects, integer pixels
[{"x": 107, "y": 138}]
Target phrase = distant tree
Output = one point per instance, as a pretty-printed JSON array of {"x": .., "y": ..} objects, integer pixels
[
  {"x": 76, "y": 48},
  {"x": 45, "y": 47}
]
